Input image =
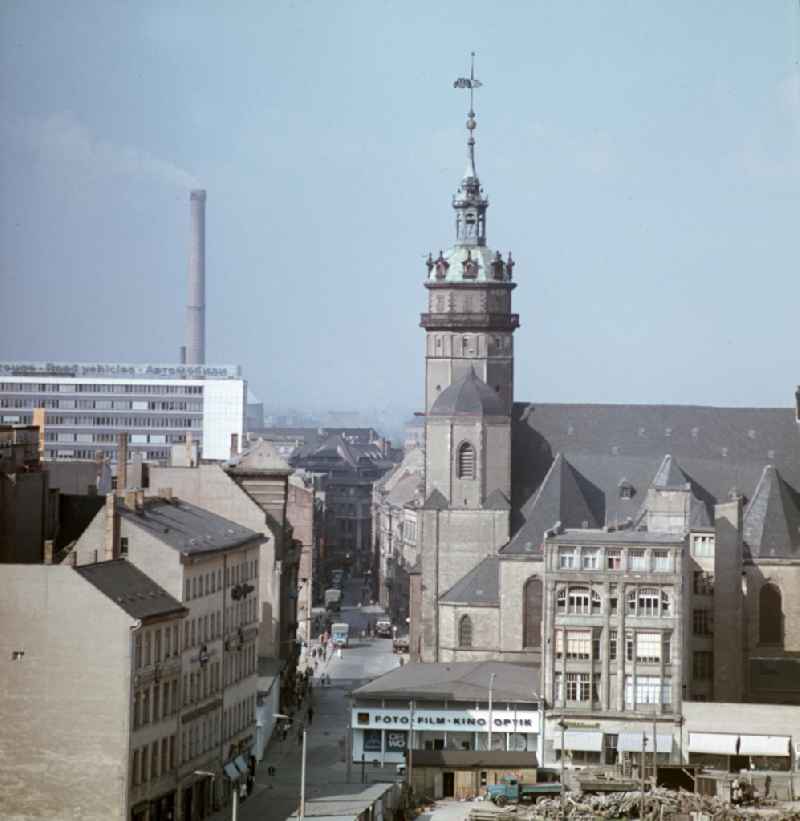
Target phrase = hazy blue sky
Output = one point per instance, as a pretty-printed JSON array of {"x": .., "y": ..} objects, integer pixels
[{"x": 642, "y": 161}]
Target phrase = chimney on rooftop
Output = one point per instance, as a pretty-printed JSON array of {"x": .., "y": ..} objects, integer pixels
[
  {"x": 189, "y": 450},
  {"x": 39, "y": 421},
  {"x": 196, "y": 307},
  {"x": 122, "y": 463},
  {"x": 110, "y": 547}
]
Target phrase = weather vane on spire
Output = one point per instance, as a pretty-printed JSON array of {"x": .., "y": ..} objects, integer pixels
[{"x": 471, "y": 83}]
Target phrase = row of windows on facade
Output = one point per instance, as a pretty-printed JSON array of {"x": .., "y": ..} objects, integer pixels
[
  {"x": 151, "y": 649},
  {"x": 640, "y": 646},
  {"x": 153, "y": 760},
  {"x": 204, "y": 584},
  {"x": 614, "y": 558},
  {"x": 156, "y": 645},
  {"x": 108, "y": 438},
  {"x": 154, "y": 703},
  {"x": 640, "y": 601},
  {"x": 159, "y": 701},
  {"x": 82, "y": 453},
  {"x": 239, "y": 717},
  {"x": 586, "y": 688},
  {"x": 117, "y": 387},
  {"x": 58, "y": 421},
  {"x": 209, "y": 627},
  {"x": 702, "y": 660},
  {"x": 101, "y": 404}
]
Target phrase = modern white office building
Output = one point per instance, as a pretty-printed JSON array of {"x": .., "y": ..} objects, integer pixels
[{"x": 87, "y": 404}]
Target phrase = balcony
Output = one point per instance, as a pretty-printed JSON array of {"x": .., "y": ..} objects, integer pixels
[{"x": 469, "y": 322}]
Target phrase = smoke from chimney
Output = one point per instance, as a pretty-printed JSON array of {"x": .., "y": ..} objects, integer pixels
[{"x": 196, "y": 307}]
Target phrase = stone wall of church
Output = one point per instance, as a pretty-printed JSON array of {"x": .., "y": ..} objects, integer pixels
[
  {"x": 514, "y": 574},
  {"x": 485, "y": 622},
  {"x": 453, "y": 542},
  {"x": 785, "y": 575}
]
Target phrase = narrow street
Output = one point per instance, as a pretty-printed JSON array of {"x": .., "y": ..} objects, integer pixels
[{"x": 276, "y": 797}]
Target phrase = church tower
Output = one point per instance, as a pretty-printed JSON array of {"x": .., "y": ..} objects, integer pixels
[
  {"x": 469, "y": 386},
  {"x": 469, "y": 324}
]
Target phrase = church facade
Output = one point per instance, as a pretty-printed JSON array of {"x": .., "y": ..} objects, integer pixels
[{"x": 638, "y": 555}]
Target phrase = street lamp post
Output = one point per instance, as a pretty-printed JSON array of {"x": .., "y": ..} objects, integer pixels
[
  {"x": 491, "y": 687},
  {"x": 562, "y": 726},
  {"x": 411, "y": 745}
]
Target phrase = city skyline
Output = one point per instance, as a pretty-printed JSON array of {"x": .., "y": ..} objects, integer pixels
[{"x": 641, "y": 164}]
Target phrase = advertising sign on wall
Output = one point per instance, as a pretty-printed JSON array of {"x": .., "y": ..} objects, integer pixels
[{"x": 503, "y": 721}]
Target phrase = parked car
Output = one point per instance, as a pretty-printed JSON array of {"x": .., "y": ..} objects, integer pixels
[{"x": 383, "y": 629}]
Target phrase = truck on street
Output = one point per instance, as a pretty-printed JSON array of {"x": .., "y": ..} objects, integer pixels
[
  {"x": 383, "y": 629},
  {"x": 340, "y": 633},
  {"x": 333, "y": 599},
  {"x": 510, "y": 790}
]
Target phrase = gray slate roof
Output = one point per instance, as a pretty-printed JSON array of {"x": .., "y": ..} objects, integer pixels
[
  {"x": 480, "y": 586},
  {"x": 772, "y": 518},
  {"x": 136, "y": 593},
  {"x": 187, "y": 528},
  {"x": 456, "y": 681},
  {"x": 469, "y": 396},
  {"x": 717, "y": 450}
]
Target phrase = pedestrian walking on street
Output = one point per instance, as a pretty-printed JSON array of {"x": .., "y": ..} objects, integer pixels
[
  {"x": 300, "y": 736},
  {"x": 310, "y": 714}
]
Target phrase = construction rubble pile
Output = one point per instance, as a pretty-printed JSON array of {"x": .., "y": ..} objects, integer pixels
[{"x": 658, "y": 804}]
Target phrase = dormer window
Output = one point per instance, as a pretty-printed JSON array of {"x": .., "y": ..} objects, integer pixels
[{"x": 625, "y": 489}]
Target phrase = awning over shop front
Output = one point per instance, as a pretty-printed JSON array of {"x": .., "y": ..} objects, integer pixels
[
  {"x": 231, "y": 771},
  {"x": 777, "y": 745},
  {"x": 576, "y": 740},
  {"x": 632, "y": 743},
  {"x": 715, "y": 743}
]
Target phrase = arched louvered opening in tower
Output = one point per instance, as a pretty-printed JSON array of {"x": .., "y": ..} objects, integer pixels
[
  {"x": 465, "y": 632},
  {"x": 465, "y": 468}
]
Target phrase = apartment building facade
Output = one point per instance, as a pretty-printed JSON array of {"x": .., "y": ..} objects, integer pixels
[
  {"x": 86, "y": 406},
  {"x": 211, "y": 565},
  {"x": 90, "y": 693}
]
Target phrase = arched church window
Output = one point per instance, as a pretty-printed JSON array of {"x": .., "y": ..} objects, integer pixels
[
  {"x": 465, "y": 468},
  {"x": 532, "y": 612},
  {"x": 770, "y": 616},
  {"x": 465, "y": 632}
]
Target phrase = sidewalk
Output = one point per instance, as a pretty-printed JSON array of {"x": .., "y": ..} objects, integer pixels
[{"x": 277, "y": 797}]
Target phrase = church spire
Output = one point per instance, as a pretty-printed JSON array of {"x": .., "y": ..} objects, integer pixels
[{"x": 469, "y": 202}]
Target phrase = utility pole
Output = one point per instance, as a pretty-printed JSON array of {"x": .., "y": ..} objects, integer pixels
[
  {"x": 303, "y": 780},
  {"x": 348, "y": 732},
  {"x": 641, "y": 776}
]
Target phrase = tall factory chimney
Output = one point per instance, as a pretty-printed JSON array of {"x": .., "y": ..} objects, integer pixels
[{"x": 196, "y": 308}]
